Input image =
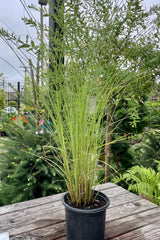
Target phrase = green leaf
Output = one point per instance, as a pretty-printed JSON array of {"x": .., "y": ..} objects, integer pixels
[
  {"x": 32, "y": 44},
  {"x": 24, "y": 46}
]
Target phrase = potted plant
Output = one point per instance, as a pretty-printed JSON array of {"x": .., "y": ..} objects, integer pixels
[
  {"x": 76, "y": 107},
  {"x": 78, "y": 94}
]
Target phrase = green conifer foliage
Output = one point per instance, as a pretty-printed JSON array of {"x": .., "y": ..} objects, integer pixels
[{"x": 25, "y": 170}]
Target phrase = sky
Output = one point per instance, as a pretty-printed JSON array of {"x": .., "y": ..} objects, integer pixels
[{"x": 11, "y": 13}]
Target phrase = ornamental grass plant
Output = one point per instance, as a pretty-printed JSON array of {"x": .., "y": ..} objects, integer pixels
[
  {"x": 91, "y": 68},
  {"x": 76, "y": 109},
  {"x": 83, "y": 82}
]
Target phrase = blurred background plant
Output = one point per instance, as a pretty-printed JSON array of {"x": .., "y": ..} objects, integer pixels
[{"x": 25, "y": 166}]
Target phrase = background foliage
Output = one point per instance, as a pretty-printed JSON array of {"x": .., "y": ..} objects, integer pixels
[{"x": 25, "y": 170}]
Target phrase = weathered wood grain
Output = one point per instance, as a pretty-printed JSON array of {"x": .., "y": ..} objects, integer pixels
[
  {"x": 30, "y": 204},
  {"x": 128, "y": 209},
  {"x": 51, "y": 210},
  {"x": 47, "y": 233},
  {"x": 28, "y": 221},
  {"x": 121, "y": 198},
  {"x": 55, "y": 210},
  {"x": 130, "y": 223},
  {"x": 149, "y": 232},
  {"x": 128, "y": 217}
]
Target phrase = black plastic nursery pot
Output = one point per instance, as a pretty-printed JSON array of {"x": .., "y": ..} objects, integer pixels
[{"x": 84, "y": 224}]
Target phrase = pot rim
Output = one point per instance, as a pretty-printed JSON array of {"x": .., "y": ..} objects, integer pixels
[{"x": 88, "y": 211}]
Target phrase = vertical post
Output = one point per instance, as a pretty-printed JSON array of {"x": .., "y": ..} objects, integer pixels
[
  {"x": 42, "y": 2},
  {"x": 42, "y": 45},
  {"x": 52, "y": 30},
  {"x": 55, "y": 28},
  {"x": 18, "y": 89},
  {"x": 55, "y": 31}
]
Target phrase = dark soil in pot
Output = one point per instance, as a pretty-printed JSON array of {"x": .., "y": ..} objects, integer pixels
[{"x": 96, "y": 202}]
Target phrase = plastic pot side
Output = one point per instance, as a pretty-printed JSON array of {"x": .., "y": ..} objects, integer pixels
[{"x": 85, "y": 224}]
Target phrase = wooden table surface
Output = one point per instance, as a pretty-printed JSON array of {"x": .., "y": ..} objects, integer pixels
[{"x": 129, "y": 217}]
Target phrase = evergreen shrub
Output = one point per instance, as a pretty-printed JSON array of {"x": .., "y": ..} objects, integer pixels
[{"x": 25, "y": 170}]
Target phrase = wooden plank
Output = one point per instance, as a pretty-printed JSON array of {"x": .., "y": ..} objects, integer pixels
[
  {"x": 123, "y": 225},
  {"x": 44, "y": 200},
  {"x": 121, "y": 197},
  {"x": 43, "y": 218},
  {"x": 30, "y": 204},
  {"x": 48, "y": 218},
  {"x": 51, "y": 211},
  {"x": 33, "y": 213},
  {"x": 48, "y": 233},
  {"x": 104, "y": 186},
  {"x": 115, "y": 192},
  {"x": 128, "y": 209},
  {"x": 33, "y": 217},
  {"x": 149, "y": 232},
  {"x": 57, "y": 232}
]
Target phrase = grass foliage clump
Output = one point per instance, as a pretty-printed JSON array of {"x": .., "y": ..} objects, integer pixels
[
  {"x": 79, "y": 90},
  {"x": 76, "y": 112}
]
